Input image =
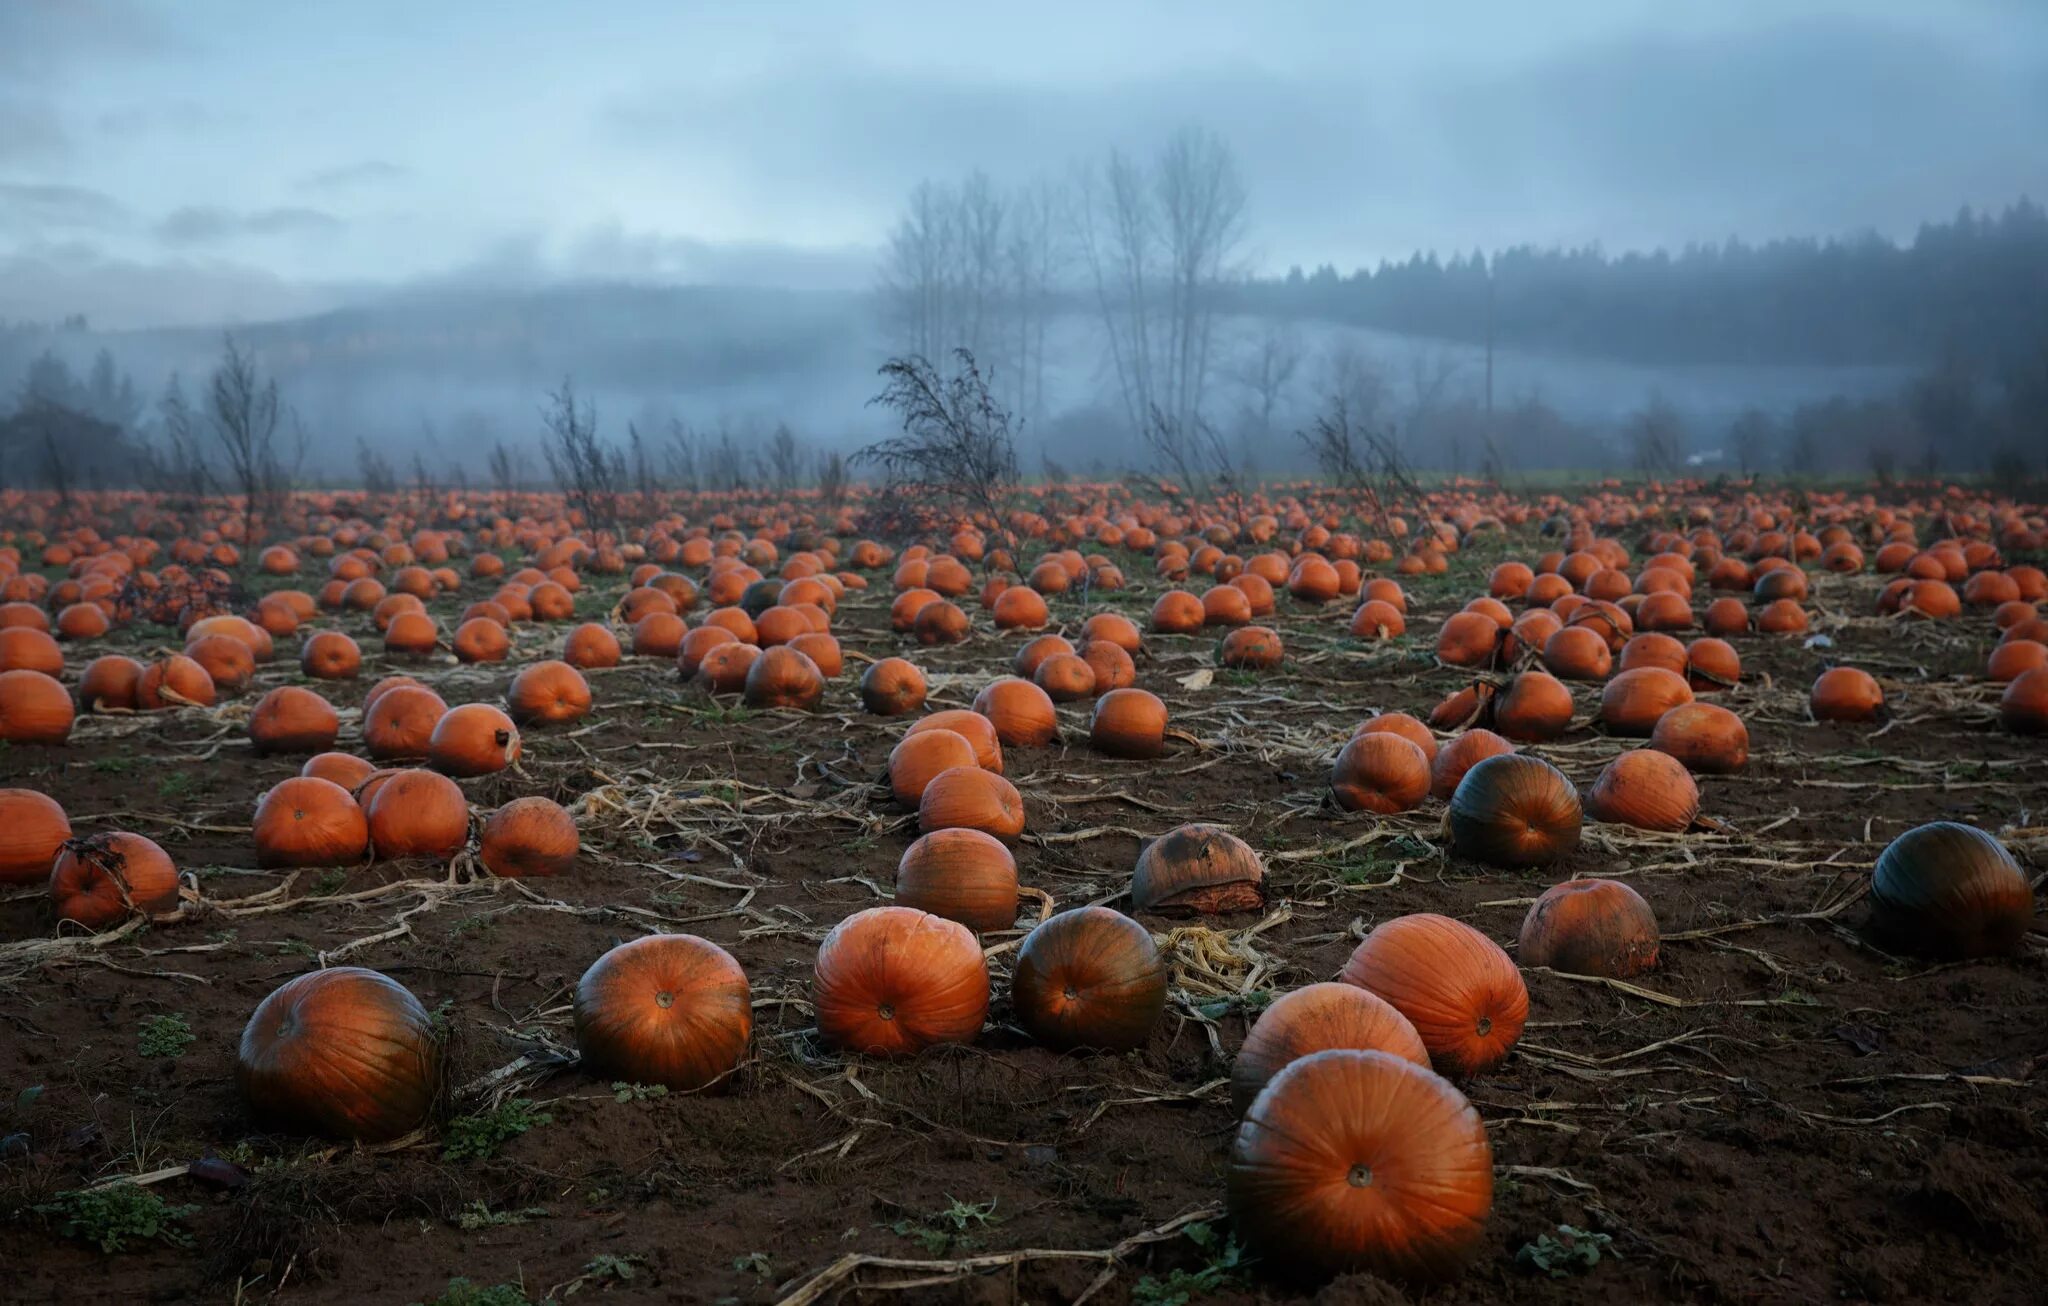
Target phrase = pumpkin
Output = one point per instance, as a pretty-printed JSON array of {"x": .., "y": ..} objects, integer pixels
[
  {"x": 330, "y": 655},
  {"x": 725, "y": 668},
  {"x": 668, "y": 1009},
  {"x": 103, "y": 879},
  {"x": 474, "y": 739},
  {"x": 1113, "y": 628},
  {"x": 33, "y": 827},
  {"x": 1455, "y": 985},
  {"x": 782, "y": 677},
  {"x": 1590, "y": 927},
  {"x": 1516, "y": 809},
  {"x": 110, "y": 681},
  {"x": 1653, "y": 650},
  {"x": 227, "y": 661},
  {"x": 1129, "y": 723},
  {"x": 399, "y": 722},
  {"x": 1021, "y": 712},
  {"x": 823, "y": 651},
  {"x": 892, "y": 687},
  {"x": 1846, "y": 694},
  {"x": 1407, "y": 727},
  {"x": 1226, "y": 605},
  {"x": 940, "y": 622},
  {"x": 481, "y": 639},
  {"x": 659, "y": 635},
  {"x": 548, "y": 693},
  {"x": 1534, "y": 707},
  {"x": 1380, "y": 772},
  {"x": 412, "y": 634},
  {"x": 1712, "y": 664},
  {"x": 1315, "y": 1019},
  {"x": 1358, "y": 1160},
  {"x": 969, "y": 798},
  {"x": 1577, "y": 653},
  {"x": 592, "y": 645},
  {"x": 293, "y": 720},
  {"x": 962, "y": 874},
  {"x": 24, "y": 648},
  {"x": 1454, "y": 759},
  {"x": 1068, "y": 677},
  {"x": 1706, "y": 737},
  {"x": 1251, "y": 648},
  {"x": 1198, "y": 868},
  {"x": 1020, "y": 607},
  {"x": 1632, "y": 701},
  {"x": 528, "y": 836},
  {"x": 1950, "y": 891},
  {"x": 416, "y": 814},
  {"x": 975, "y": 728},
  {"x": 342, "y": 768},
  {"x": 893, "y": 981},
  {"x": 1111, "y": 665},
  {"x": 343, "y": 1052},
  {"x": 174, "y": 681},
  {"x": 920, "y": 756},
  {"x": 1089, "y": 978},
  {"x": 1646, "y": 788},
  {"x": 34, "y": 709},
  {"x": 308, "y": 821},
  {"x": 2023, "y": 707},
  {"x": 698, "y": 644},
  {"x": 1468, "y": 639},
  {"x": 1177, "y": 612},
  {"x": 1036, "y": 651}
]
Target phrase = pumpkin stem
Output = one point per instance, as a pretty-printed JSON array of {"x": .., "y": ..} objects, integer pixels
[
  {"x": 886, "y": 1011},
  {"x": 664, "y": 999},
  {"x": 1485, "y": 1026},
  {"x": 1360, "y": 1176}
]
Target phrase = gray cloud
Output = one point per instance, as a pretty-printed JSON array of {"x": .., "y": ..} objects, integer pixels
[
  {"x": 49, "y": 282},
  {"x": 369, "y": 172},
  {"x": 31, "y": 210},
  {"x": 612, "y": 253},
  {"x": 206, "y": 224},
  {"x": 30, "y": 132},
  {"x": 1820, "y": 126},
  {"x": 180, "y": 116}
]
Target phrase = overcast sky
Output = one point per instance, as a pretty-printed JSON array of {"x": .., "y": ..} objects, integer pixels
[{"x": 201, "y": 160}]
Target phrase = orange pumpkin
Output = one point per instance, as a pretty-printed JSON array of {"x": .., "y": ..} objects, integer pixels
[
  {"x": 174, "y": 681},
  {"x": 1534, "y": 707},
  {"x": 103, "y": 879},
  {"x": 1647, "y": 789},
  {"x": 967, "y": 797},
  {"x": 1634, "y": 700},
  {"x": 893, "y": 981},
  {"x": 725, "y": 668},
  {"x": 1021, "y": 712},
  {"x": 592, "y": 645},
  {"x": 1380, "y": 772},
  {"x": 416, "y": 814},
  {"x": 293, "y": 720},
  {"x": 782, "y": 677},
  {"x": 1198, "y": 868},
  {"x": 343, "y": 1052},
  {"x": 1590, "y": 927},
  {"x": 34, "y": 709},
  {"x": 2023, "y": 707},
  {"x": 1455, "y": 985},
  {"x": 1706, "y": 737},
  {"x": 1407, "y": 727},
  {"x": 33, "y": 828},
  {"x": 307, "y": 821},
  {"x": 1315, "y": 1019},
  {"x": 1846, "y": 694},
  {"x": 975, "y": 728},
  {"x": 474, "y": 739},
  {"x": 1454, "y": 759},
  {"x": 1089, "y": 978},
  {"x": 548, "y": 693},
  {"x": 1351, "y": 1160},
  {"x": 668, "y": 1009},
  {"x": 1129, "y": 723},
  {"x": 341, "y": 768},
  {"x": 962, "y": 874},
  {"x": 330, "y": 655},
  {"x": 1251, "y": 648},
  {"x": 109, "y": 682},
  {"x": 892, "y": 687},
  {"x": 528, "y": 836},
  {"x": 399, "y": 722}
]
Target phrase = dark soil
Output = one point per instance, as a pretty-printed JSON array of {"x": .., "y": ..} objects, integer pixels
[{"x": 1794, "y": 1116}]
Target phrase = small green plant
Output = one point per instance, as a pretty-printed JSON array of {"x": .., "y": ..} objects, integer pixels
[
  {"x": 165, "y": 1036},
  {"x": 461, "y": 1292},
  {"x": 113, "y": 765},
  {"x": 602, "y": 1268},
  {"x": 752, "y": 1263},
  {"x": 479, "y": 1215},
  {"x": 1250, "y": 1004},
  {"x": 625, "y": 1092},
  {"x": 1567, "y": 1252},
  {"x": 947, "y": 1230},
  {"x": 329, "y": 883},
  {"x": 177, "y": 784},
  {"x": 113, "y": 1217},
  {"x": 478, "y": 1137},
  {"x": 1225, "y": 1259}
]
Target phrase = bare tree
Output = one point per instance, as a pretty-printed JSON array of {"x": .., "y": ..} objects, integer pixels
[
  {"x": 507, "y": 466},
  {"x": 244, "y": 412},
  {"x": 375, "y": 469},
  {"x": 832, "y": 479},
  {"x": 1656, "y": 438},
  {"x": 57, "y": 466},
  {"x": 919, "y": 271},
  {"x": 643, "y": 466},
  {"x": 1037, "y": 257},
  {"x": 588, "y": 472},
  {"x": 1362, "y": 460},
  {"x": 956, "y": 451},
  {"x": 1266, "y": 372},
  {"x": 782, "y": 458},
  {"x": 1750, "y": 439},
  {"x": 1157, "y": 243},
  {"x": 179, "y": 467},
  {"x": 680, "y": 454}
]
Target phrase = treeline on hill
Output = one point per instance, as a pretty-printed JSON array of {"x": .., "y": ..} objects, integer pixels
[{"x": 1976, "y": 287}]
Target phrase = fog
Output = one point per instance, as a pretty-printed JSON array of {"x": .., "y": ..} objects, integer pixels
[{"x": 421, "y": 222}]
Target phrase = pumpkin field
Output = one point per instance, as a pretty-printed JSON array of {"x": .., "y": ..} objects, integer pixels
[{"x": 1617, "y": 893}]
